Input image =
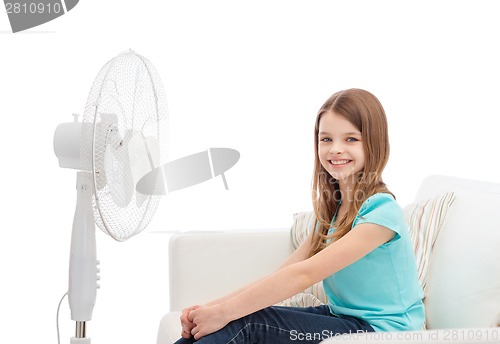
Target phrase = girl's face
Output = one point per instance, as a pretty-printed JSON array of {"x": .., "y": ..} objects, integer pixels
[{"x": 340, "y": 148}]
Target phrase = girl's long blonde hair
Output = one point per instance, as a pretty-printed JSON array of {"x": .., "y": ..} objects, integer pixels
[{"x": 366, "y": 113}]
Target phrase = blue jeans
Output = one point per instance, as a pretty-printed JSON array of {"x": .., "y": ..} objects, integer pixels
[{"x": 275, "y": 325}]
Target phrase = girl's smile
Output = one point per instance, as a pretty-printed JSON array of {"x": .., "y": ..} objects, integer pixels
[{"x": 339, "y": 162}]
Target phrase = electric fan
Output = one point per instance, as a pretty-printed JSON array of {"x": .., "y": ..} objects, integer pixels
[{"x": 121, "y": 138}]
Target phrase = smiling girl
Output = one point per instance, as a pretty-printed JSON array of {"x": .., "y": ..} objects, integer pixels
[{"x": 360, "y": 248}]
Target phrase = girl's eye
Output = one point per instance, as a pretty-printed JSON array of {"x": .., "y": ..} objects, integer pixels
[
  {"x": 351, "y": 139},
  {"x": 326, "y": 139}
]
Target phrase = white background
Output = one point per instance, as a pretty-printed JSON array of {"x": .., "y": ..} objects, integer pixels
[{"x": 245, "y": 75}]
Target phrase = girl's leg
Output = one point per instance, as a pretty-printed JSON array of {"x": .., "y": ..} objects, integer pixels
[{"x": 285, "y": 325}]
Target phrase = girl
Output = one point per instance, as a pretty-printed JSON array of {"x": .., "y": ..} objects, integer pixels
[{"x": 360, "y": 247}]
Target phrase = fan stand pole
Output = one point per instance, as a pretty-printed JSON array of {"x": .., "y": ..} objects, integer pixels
[
  {"x": 83, "y": 263},
  {"x": 80, "y": 329}
]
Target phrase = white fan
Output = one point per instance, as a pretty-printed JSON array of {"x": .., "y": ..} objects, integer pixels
[
  {"x": 120, "y": 151},
  {"x": 121, "y": 138}
]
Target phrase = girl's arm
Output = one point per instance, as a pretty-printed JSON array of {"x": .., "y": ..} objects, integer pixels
[{"x": 291, "y": 278}]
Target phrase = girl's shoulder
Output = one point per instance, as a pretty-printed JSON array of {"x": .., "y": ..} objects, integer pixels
[
  {"x": 382, "y": 209},
  {"x": 380, "y": 202}
]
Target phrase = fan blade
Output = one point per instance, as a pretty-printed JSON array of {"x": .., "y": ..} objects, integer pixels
[
  {"x": 118, "y": 171},
  {"x": 106, "y": 134},
  {"x": 144, "y": 155}
]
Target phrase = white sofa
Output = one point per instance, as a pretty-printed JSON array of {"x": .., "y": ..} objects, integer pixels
[{"x": 463, "y": 288}]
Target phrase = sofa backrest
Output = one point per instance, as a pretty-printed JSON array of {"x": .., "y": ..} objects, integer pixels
[{"x": 464, "y": 273}]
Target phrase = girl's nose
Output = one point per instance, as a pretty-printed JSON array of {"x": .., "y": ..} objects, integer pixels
[{"x": 336, "y": 148}]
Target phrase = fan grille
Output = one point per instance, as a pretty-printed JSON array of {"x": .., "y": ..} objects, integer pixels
[{"x": 123, "y": 137}]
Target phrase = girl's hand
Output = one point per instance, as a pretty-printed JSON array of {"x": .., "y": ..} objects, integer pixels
[
  {"x": 187, "y": 325},
  {"x": 207, "y": 319}
]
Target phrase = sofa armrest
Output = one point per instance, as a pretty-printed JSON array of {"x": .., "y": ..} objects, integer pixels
[
  {"x": 206, "y": 265},
  {"x": 170, "y": 328}
]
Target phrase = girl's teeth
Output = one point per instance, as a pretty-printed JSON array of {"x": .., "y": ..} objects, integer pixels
[{"x": 340, "y": 162}]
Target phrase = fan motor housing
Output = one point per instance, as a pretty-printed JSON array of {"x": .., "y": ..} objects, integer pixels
[{"x": 67, "y": 144}]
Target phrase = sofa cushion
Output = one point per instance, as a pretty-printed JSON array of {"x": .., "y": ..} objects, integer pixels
[
  {"x": 302, "y": 225},
  {"x": 424, "y": 220}
]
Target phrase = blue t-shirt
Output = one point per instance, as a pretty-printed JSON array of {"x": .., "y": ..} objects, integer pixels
[{"x": 382, "y": 287}]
